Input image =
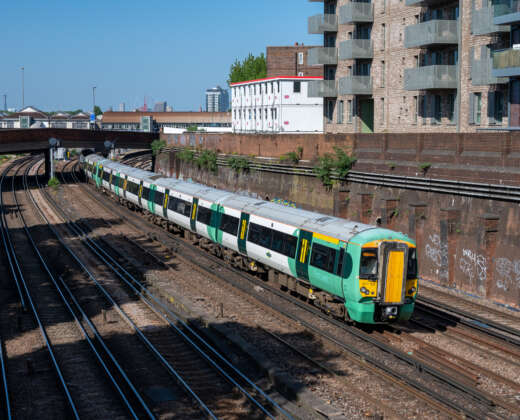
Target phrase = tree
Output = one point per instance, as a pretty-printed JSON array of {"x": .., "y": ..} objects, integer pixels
[
  {"x": 250, "y": 68},
  {"x": 97, "y": 110}
]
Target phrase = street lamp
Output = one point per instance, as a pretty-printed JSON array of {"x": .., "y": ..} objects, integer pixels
[{"x": 23, "y": 89}]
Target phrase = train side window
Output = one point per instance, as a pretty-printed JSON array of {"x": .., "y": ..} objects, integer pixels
[
  {"x": 106, "y": 176},
  {"x": 284, "y": 244},
  {"x": 158, "y": 198},
  {"x": 412, "y": 264},
  {"x": 368, "y": 266},
  {"x": 132, "y": 188},
  {"x": 229, "y": 224},
  {"x": 180, "y": 206},
  {"x": 114, "y": 179},
  {"x": 323, "y": 257},
  {"x": 146, "y": 193},
  {"x": 260, "y": 235},
  {"x": 204, "y": 215}
]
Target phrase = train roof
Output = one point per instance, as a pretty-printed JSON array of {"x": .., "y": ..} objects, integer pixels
[{"x": 335, "y": 227}]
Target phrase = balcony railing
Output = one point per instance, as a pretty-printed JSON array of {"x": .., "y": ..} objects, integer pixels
[
  {"x": 355, "y": 85},
  {"x": 506, "y": 12},
  {"x": 322, "y": 55},
  {"x": 506, "y": 63},
  {"x": 433, "y": 32},
  {"x": 322, "y": 89},
  {"x": 482, "y": 22},
  {"x": 323, "y": 23},
  {"x": 481, "y": 72},
  {"x": 424, "y": 2},
  {"x": 356, "y": 48},
  {"x": 431, "y": 77},
  {"x": 355, "y": 12}
]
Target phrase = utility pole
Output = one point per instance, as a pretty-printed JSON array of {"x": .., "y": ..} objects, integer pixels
[{"x": 23, "y": 88}]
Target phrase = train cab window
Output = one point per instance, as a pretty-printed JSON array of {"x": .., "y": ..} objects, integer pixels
[
  {"x": 229, "y": 224},
  {"x": 323, "y": 257},
  {"x": 204, "y": 215},
  {"x": 158, "y": 198},
  {"x": 368, "y": 265},
  {"x": 412, "y": 264},
  {"x": 179, "y": 206}
]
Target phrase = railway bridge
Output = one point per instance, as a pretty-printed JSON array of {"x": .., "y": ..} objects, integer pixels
[{"x": 43, "y": 139}]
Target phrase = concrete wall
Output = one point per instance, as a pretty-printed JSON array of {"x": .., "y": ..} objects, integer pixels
[{"x": 468, "y": 243}]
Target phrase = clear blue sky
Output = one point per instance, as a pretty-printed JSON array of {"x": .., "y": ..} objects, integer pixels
[{"x": 167, "y": 50}]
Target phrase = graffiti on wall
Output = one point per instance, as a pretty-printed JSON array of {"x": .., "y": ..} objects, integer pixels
[
  {"x": 507, "y": 274},
  {"x": 474, "y": 266},
  {"x": 437, "y": 252}
]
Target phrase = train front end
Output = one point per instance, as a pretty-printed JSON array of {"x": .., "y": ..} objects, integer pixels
[{"x": 387, "y": 280}]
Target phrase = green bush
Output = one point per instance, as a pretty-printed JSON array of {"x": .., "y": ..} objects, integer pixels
[
  {"x": 186, "y": 155},
  {"x": 424, "y": 166},
  {"x": 53, "y": 182},
  {"x": 293, "y": 157},
  {"x": 207, "y": 159},
  {"x": 239, "y": 164},
  {"x": 324, "y": 169},
  {"x": 157, "y": 146},
  {"x": 343, "y": 162},
  {"x": 340, "y": 163}
]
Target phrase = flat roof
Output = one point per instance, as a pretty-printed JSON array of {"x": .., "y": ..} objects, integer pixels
[{"x": 167, "y": 117}]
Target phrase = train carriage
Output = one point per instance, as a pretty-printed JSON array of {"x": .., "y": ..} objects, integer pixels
[{"x": 359, "y": 271}]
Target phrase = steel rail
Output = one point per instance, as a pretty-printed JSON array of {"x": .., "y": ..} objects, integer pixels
[
  {"x": 125, "y": 317},
  {"x": 3, "y": 367},
  {"x": 131, "y": 281},
  {"x": 476, "y": 322},
  {"x": 84, "y": 316},
  {"x": 43, "y": 331},
  {"x": 444, "y": 378}
]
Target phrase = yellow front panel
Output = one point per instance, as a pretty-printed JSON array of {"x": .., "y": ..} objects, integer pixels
[{"x": 394, "y": 277}]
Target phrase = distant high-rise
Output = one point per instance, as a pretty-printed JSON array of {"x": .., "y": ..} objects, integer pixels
[
  {"x": 122, "y": 107},
  {"x": 159, "y": 107},
  {"x": 169, "y": 108},
  {"x": 217, "y": 100}
]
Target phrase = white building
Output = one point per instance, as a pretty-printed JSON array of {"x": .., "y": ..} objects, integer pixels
[{"x": 276, "y": 104}]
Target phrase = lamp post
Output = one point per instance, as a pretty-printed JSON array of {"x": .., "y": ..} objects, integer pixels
[{"x": 23, "y": 88}]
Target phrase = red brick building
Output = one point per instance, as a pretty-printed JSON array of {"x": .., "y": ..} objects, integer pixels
[{"x": 291, "y": 61}]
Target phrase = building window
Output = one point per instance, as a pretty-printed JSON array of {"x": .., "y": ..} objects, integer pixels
[
  {"x": 300, "y": 58},
  {"x": 437, "y": 109},
  {"x": 340, "y": 112},
  {"x": 382, "y": 111},
  {"x": 422, "y": 98},
  {"x": 477, "y": 108},
  {"x": 415, "y": 109},
  {"x": 495, "y": 107},
  {"x": 329, "y": 110},
  {"x": 451, "y": 107},
  {"x": 383, "y": 76},
  {"x": 349, "y": 111},
  {"x": 297, "y": 87}
]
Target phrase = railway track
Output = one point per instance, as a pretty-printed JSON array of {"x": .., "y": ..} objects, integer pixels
[
  {"x": 487, "y": 401},
  {"x": 219, "y": 372}
]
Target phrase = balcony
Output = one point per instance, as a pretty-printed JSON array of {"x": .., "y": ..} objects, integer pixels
[
  {"x": 356, "y": 48},
  {"x": 322, "y": 89},
  {"x": 355, "y": 85},
  {"x": 481, "y": 71},
  {"x": 431, "y": 77},
  {"x": 420, "y": 3},
  {"x": 482, "y": 22},
  {"x": 507, "y": 13},
  {"x": 322, "y": 55},
  {"x": 319, "y": 24},
  {"x": 506, "y": 63},
  {"x": 354, "y": 12},
  {"x": 433, "y": 32}
]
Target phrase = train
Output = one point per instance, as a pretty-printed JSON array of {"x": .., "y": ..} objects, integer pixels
[{"x": 359, "y": 272}]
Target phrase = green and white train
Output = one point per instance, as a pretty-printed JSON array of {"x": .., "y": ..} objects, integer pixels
[{"x": 356, "y": 271}]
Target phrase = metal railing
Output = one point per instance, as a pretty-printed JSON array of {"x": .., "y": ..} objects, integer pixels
[
  {"x": 432, "y": 32},
  {"x": 354, "y": 12},
  {"x": 508, "y": 58},
  {"x": 356, "y": 48},
  {"x": 481, "y": 72},
  {"x": 322, "y": 55},
  {"x": 431, "y": 77},
  {"x": 318, "y": 24},
  {"x": 482, "y": 22},
  {"x": 355, "y": 85},
  {"x": 323, "y": 89}
]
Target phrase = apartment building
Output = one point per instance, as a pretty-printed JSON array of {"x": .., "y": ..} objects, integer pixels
[
  {"x": 410, "y": 65},
  {"x": 276, "y": 105}
]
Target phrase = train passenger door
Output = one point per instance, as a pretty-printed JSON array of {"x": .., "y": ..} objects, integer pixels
[
  {"x": 116, "y": 184},
  {"x": 302, "y": 254},
  {"x": 193, "y": 218},
  {"x": 151, "y": 199},
  {"x": 165, "y": 204},
  {"x": 242, "y": 233}
]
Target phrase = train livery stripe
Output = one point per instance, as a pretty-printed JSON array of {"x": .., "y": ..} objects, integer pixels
[
  {"x": 326, "y": 238},
  {"x": 193, "y": 217},
  {"x": 242, "y": 232},
  {"x": 302, "y": 254}
]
